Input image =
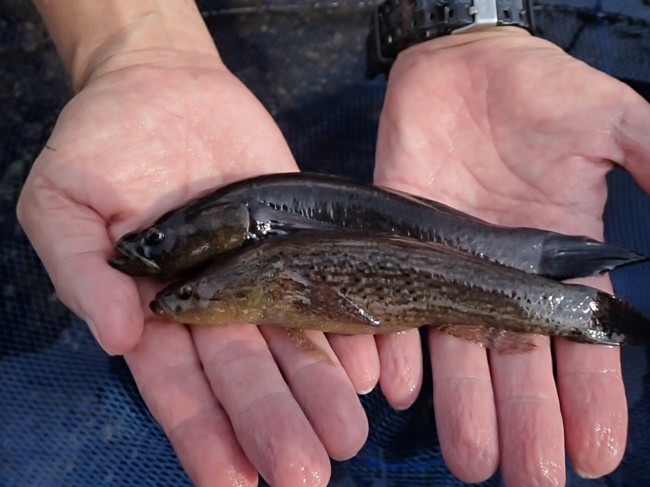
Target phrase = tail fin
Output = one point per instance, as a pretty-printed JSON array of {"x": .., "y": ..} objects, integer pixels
[
  {"x": 565, "y": 257},
  {"x": 617, "y": 322}
]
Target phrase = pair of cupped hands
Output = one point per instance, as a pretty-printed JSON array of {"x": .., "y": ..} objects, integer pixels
[{"x": 499, "y": 124}]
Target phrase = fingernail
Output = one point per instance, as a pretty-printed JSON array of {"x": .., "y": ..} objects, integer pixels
[
  {"x": 93, "y": 329},
  {"x": 401, "y": 407},
  {"x": 586, "y": 475},
  {"x": 365, "y": 390}
]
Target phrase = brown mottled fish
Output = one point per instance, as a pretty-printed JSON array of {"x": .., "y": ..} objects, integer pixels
[{"x": 354, "y": 283}]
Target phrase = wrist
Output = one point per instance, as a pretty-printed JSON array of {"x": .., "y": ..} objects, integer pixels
[
  {"x": 474, "y": 48},
  {"x": 95, "y": 38},
  {"x": 497, "y": 32},
  {"x": 397, "y": 25}
]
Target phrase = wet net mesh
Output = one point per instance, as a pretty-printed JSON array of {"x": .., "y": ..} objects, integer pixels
[{"x": 71, "y": 416}]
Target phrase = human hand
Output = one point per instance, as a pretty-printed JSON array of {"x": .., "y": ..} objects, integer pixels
[
  {"x": 132, "y": 143},
  {"x": 512, "y": 129}
]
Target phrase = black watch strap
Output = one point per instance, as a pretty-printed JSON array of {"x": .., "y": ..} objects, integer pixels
[{"x": 398, "y": 24}]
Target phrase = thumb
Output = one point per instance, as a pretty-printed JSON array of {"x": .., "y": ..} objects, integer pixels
[
  {"x": 631, "y": 134},
  {"x": 73, "y": 244}
]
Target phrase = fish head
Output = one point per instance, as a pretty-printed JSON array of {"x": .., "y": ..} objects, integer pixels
[
  {"x": 182, "y": 240},
  {"x": 222, "y": 295}
]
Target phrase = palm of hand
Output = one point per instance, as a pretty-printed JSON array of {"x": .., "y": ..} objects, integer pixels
[
  {"x": 515, "y": 131},
  {"x": 152, "y": 137},
  {"x": 132, "y": 144},
  {"x": 506, "y": 131}
]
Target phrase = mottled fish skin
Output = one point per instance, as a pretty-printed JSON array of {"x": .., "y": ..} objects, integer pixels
[
  {"x": 371, "y": 284},
  {"x": 282, "y": 203}
]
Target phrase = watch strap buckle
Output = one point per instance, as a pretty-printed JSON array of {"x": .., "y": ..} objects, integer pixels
[
  {"x": 376, "y": 63},
  {"x": 484, "y": 13}
]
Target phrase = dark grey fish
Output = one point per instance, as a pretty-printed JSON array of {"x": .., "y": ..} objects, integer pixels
[
  {"x": 254, "y": 209},
  {"x": 370, "y": 284}
]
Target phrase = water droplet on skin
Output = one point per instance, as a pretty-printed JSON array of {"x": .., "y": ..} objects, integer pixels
[
  {"x": 236, "y": 478},
  {"x": 550, "y": 471},
  {"x": 310, "y": 477},
  {"x": 605, "y": 439}
]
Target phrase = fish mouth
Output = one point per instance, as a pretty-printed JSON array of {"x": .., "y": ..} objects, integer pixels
[
  {"x": 133, "y": 263},
  {"x": 158, "y": 308},
  {"x": 162, "y": 309}
]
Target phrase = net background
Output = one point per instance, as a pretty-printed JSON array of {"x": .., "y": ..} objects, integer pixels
[{"x": 70, "y": 415}]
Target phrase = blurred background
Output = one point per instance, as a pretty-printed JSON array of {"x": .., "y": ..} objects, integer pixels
[{"x": 70, "y": 415}]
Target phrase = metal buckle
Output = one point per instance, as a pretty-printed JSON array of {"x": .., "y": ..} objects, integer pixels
[
  {"x": 376, "y": 63},
  {"x": 485, "y": 15}
]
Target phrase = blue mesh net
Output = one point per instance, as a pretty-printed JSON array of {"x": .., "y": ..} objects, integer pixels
[{"x": 70, "y": 415}]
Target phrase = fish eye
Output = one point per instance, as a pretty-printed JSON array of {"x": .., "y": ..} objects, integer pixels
[
  {"x": 184, "y": 292},
  {"x": 153, "y": 236}
]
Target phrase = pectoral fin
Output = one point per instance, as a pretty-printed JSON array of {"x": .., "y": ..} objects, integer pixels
[
  {"x": 503, "y": 341},
  {"x": 272, "y": 221},
  {"x": 316, "y": 305},
  {"x": 303, "y": 343}
]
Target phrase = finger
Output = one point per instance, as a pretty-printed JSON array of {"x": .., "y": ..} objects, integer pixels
[
  {"x": 631, "y": 134},
  {"x": 323, "y": 390},
  {"x": 593, "y": 406},
  {"x": 531, "y": 436},
  {"x": 268, "y": 422},
  {"x": 400, "y": 358},
  {"x": 73, "y": 244},
  {"x": 463, "y": 400},
  {"x": 170, "y": 378},
  {"x": 360, "y": 360},
  {"x": 592, "y": 397}
]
